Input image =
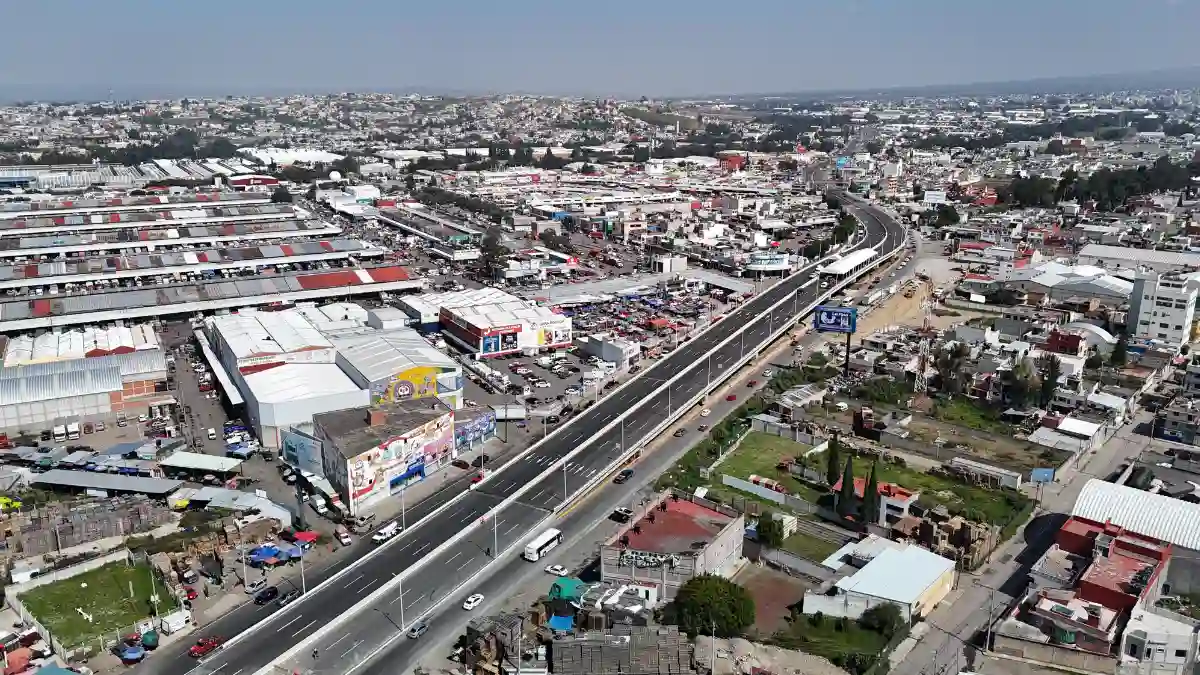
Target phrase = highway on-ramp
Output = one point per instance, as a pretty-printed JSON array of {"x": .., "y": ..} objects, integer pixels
[{"x": 439, "y": 578}]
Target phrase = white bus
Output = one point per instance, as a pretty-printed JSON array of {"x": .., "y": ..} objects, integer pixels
[{"x": 544, "y": 543}]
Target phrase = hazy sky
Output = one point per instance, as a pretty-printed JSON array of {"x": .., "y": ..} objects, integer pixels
[{"x": 618, "y": 47}]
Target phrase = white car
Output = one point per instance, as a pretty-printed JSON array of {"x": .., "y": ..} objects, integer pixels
[
  {"x": 705, "y": 413},
  {"x": 556, "y": 570},
  {"x": 768, "y": 373},
  {"x": 473, "y": 601}
]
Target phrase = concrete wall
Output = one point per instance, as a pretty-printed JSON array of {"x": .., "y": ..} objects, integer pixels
[
  {"x": 786, "y": 500},
  {"x": 1052, "y": 654}
]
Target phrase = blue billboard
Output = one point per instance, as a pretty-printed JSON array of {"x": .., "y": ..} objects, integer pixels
[
  {"x": 835, "y": 319},
  {"x": 843, "y": 162}
]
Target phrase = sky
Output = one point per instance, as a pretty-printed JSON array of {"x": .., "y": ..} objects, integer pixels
[{"x": 621, "y": 48}]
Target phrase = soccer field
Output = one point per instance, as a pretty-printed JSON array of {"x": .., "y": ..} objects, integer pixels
[{"x": 105, "y": 599}]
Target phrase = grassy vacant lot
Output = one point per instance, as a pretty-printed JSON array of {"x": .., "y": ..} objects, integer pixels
[
  {"x": 834, "y": 639},
  {"x": 809, "y": 547},
  {"x": 758, "y": 454},
  {"x": 993, "y": 506},
  {"x": 106, "y": 598}
]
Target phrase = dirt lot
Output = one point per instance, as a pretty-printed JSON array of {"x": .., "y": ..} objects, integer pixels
[{"x": 774, "y": 594}]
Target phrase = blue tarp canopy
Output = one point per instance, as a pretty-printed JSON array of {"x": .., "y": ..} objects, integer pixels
[
  {"x": 132, "y": 654},
  {"x": 263, "y": 552},
  {"x": 561, "y": 623}
]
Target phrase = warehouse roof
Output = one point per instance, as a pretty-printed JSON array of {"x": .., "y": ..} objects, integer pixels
[
  {"x": 49, "y": 387},
  {"x": 130, "y": 365},
  {"x": 380, "y": 354},
  {"x": 87, "y": 480},
  {"x": 250, "y": 333},
  {"x": 298, "y": 381},
  {"x": 1151, "y": 515},
  {"x": 1135, "y": 256}
]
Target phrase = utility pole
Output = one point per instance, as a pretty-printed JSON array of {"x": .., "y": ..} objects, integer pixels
[{"x": 303, "y": 585}]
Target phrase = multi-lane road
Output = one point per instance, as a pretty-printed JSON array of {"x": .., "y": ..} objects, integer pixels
[{"x": 436, "y": 579}]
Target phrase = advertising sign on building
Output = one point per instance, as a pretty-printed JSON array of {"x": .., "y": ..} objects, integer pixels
[
  {"x": 835, "y": 319},
  {"x": 768, "y": 262},
  {"x": 934, "y": 197},
  {"x": 302, "y": 451}
]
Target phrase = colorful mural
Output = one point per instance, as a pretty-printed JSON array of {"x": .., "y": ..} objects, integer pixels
[
  {"x": 471, "y": 430},
  {"x": 413, "y": 383},
  {"x": 388, "y": 467}
]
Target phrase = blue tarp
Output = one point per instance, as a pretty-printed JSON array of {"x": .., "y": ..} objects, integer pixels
[
  {"x": 561, "y": 623},
  {"x": 132, "y": 654},
  {"x": 263, "y": 552}
]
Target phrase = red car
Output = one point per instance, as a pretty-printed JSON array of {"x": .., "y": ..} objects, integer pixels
[
  {"x": 731, "y": 397},
  {"x": 752, "y": 383},
  {"x": 205, "y": 646},
  {"x": 191, "y": 592}
]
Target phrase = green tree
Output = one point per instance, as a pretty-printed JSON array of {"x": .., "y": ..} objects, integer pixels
[
  {"x": 1120, "y": 351},
  {"x": 709, "y": 604},
  {"x": 281, "y": 196},
  {"x": 945, "y": 216},
  {"x": 949, "y": 365},
  {"x": 1056, "y": 147},
  {"x": 1050, "y": 369},
  {"x": 845, "y": 502},
  {"x": 884, "y": 619},
  {"x": 641, "y": 154},
  {"x": 410, "y": 183},
  {"x": 870, "y": 500},
  {"x": 770, "y": 531},
  {"x": 833, "y": 461}
]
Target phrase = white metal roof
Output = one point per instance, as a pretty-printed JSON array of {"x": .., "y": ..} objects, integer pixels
[
  {"x": 378, "y": 355},
  {"x": 900, "y": 575},
  {"x": 263, "y": 333},
  {"x": 60, "y": 385},
  {"x": 850, "y": 261},
  {"x": 298, "y": 381},
  {"x": 1164, "y": 518},
  {"x": 196, "y": 461}
]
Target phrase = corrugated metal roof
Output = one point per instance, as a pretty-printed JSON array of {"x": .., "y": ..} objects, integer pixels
[
  {"x": 1171, "y": 520},
  {"x": 101, "y": 481},
  {"x": 60, "y": 385}
]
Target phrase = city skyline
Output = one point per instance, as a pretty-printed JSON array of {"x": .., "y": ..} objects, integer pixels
[{"x": 624, "y": 49}]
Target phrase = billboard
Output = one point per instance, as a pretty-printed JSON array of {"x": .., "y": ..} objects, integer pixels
[
  {"x": 301, "y": 451},
  {"x": 934, "y": 197},
  {"x": 843, "y": 162},
  {"x": 397, "y": 461},
  {"x": 835, "y": 319},
  {"x": 769, "y": 262}
]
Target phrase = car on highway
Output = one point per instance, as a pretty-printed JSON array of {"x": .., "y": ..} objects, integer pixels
[
  {"x": 556, "y": 570},
  {"x": 679, "y": 433},
  {"x": 190, "y": 593},
  {"x": 768, "y": 373},
  {"x": 418, "y": 629},
  {"x": 752, "y": 383},
  {"x": 473, "y": 601},
  {"x": 205, "y": 646},
  {"x": 289, "y": 597},
  {"x": 624, "y": 476},
  {"x": 266, "y": 595},
  {"x": 702, "y": 427},
  {"x": 705, "y": 413},
  {"x": 386, "y": 532},
  {"x": 480, "y": 461},
  {"x": 731, "y": 397},
  {"x": 622, "y": 515}
]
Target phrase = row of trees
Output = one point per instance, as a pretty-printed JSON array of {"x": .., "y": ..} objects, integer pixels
[
  {"x": 1029, "y": 381},
  {"x": 1104, "y": 127},
  {"x": 1107, "y": 187},
  {"x": 434, "y": 196}
]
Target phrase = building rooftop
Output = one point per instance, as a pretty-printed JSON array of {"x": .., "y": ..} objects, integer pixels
[
  {"x": 250, "y": 333},
  {"x": 298, "y": 381},
  {"x": 380, "y": 354},
  {"x": 356, "y": 430},
  {"x": 1163, "y": 518},
  {"x": 899, "y": 574},
  {"x": 678, "y": 529}
]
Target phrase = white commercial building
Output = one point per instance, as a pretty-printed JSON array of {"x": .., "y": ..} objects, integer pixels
[
  {"x": 906, "y": 575},
  {"x": 1162, "y": 308},
  {"x": 289, "y": 395},
  {"x": 250, "y": 341}
]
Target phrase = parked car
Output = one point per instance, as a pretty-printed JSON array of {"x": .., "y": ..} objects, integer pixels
[
  {"x": 556, "y": 570},
  {"x": 418, "y": 629},
  {"x": 205, "y": 646},
  {"x": 289, "y": 597},
  {"x": 266, "y": 595},
  {"x": 624, "y": 476},
  {"x": 472, "y": 602}
]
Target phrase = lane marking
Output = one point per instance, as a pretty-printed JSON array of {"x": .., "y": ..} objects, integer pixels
[
  {"x": 352, "y": 648},
  {"x": 306, "y": 627},
  {"x": 348, "y": 583},
  {"x": 368, "y": 585},
  {"x": 465, "y": 564},
  {"x": 335, "y": 642},
  {"x": 298, "y": 617},
  {"x": 453, "y": 557},
  {"x": 422, "y": 549}
]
